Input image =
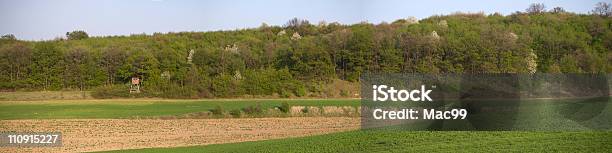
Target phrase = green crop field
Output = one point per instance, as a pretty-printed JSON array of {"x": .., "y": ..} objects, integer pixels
[
  {"x": 419, "y": 141},
  {"x": 95, "y": 109},
  {"x": 352, "y": 141},
  {"x": 390, "y": 140}
]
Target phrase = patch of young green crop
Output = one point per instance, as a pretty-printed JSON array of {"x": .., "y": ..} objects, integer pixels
[
  {"x": 419, "y": 141},
  {"x": 128, "y": 109}
]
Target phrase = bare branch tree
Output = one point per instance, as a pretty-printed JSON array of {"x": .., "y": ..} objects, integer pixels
[
  {"x": 558, "y": 10},
  {"x": 536, "y": 8},
  {"x": 602, "y": 9},
  {"x": 295, "y": 23}
]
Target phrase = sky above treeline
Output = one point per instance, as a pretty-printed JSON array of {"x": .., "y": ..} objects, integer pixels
[{"x": 49, "y": 19}]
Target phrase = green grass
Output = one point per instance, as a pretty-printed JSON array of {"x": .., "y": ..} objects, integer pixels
[
  {"x": 570, "y": 137},
  {"x": 90, "y": 109},
  {"x": 417, "y": 141},
  {"x": 353, "y": 141}
]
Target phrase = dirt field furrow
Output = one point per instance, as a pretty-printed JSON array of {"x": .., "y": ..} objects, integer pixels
[{"x": 86, "y": 135}]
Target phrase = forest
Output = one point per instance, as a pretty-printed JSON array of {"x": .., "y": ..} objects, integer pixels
[{"x": 302, "y": 58}]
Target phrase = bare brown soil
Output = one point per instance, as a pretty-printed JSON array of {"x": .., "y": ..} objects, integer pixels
[{"x": 86, "y": 135}]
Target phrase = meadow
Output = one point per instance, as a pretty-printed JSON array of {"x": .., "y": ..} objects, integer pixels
[{"x": 131, "y": 108}]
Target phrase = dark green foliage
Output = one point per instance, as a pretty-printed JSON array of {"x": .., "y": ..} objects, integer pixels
[
  {"x": 15, "y": 61},
  {"x": 236, "y": 113},
  {"x": 306, "y": 60},
  {"x": 306, "y": 109},
  {"x": 218, "y": 110},
  {"x": 285, "y": 107},
  {"x": 265, "y": 62},
  {"x": 47, "y": 66},
  {"x": 269, "y": 81},
  {"x": 396, "y": 141},
  {"x": 253, "y": 110},
  {"x": 77, "y": 35}
]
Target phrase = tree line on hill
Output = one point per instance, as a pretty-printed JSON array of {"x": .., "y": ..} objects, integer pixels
[{"x": 300, "y": 58}]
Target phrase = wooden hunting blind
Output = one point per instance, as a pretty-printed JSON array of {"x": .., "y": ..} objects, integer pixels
[{"x": 135, "y": 85}]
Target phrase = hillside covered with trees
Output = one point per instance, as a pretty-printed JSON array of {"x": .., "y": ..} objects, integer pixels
[{"x": 300, "y": 58}]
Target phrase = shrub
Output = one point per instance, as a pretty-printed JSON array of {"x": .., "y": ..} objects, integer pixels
[
  {"x": 285, "y": 107},
  {"x": 112, "y": 91},
  {"x": 344, "y": 93},
  {"x": 253, "y": 109},
  {"x": 306, "y": 109},
  {"x": 218, "y": 110},
  {"x": 300, "y": 90},
  {"x": 236, "y": 113},
  {"x": 285, "y": 94}
]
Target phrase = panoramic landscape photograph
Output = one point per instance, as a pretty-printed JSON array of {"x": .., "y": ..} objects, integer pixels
[{"x": 158, "y": 76}]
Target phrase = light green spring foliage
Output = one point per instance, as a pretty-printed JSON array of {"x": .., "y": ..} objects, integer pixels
[{"x": 270, "y": 62}]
